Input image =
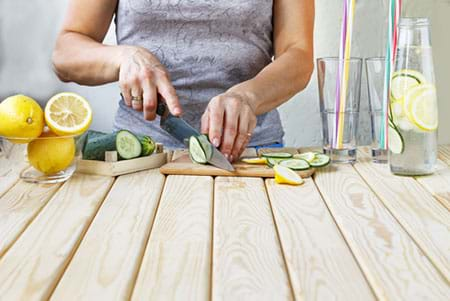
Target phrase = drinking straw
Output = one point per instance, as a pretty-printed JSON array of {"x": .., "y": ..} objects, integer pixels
[
  {"x": 344, "y": 67},
  {"x": 391, "y": 47}
]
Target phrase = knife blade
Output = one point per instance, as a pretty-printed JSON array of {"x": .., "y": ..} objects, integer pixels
[{"x": 182, "y": 131}]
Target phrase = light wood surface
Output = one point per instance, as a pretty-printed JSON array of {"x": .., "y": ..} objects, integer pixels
[
  {"x": 18, "y": 207},
  {"x": 422, "y": 216},
  {"x": 184, "y": 166},
  {"x": 393, "y": 264},
  {"x": 247, "y": 260},
  {"x": 34, "y": 264},
  {"x": 112, "y": 169},
  {"x": 349, "y": 233},
  {"x": 438, "y": 184},
  {"x": 108, "y": 259},
  {"x": 444, "y": 153},
  {"x": 320, "y": 264},
  {"x": 177, "y": 260}
]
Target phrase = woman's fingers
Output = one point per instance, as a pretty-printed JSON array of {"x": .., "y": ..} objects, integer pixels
[
  {"x": 136, "y": 95},
  {"x": 168, "y": 92},
  {"x": 216, "y": 115},
  {"x": 231, "y": 127},
  {"x": 247, "y": 123},
  {"x": 150, "y": 99},
  {"x": 205, "y": 123}
]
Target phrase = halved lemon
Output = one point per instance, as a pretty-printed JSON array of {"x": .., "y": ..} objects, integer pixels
[
  {"x": 423, "y": 109},
  {"x": 284, "y": 175},
  {"x": 68, "y": 114}
]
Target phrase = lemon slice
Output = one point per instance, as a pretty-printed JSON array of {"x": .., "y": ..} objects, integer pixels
[
  {"x": 403, "y": 80},
  {"x": 284, "y": 175},
  {"x": 68, "y": 114},
  {"x": 423, "y": 109},
  {"x": 254, "y": 160}
]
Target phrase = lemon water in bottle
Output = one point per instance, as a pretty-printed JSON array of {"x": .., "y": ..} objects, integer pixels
[{"x": 413, "y": 114}]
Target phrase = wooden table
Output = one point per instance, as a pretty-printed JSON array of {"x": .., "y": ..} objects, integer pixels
[{"x": 351, "y": 233}]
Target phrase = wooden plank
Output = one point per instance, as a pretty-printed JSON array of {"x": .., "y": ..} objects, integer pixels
[
  {"x": 177, "y": 260},
  {"x": 444, "y": 153},
  {"x": 11, "y": 167},
  {"x": 438, "y": 184},
  {"x": 320, "y": 264},
  {"x": 421, "y": 215},
  {"x": 394, "y": 265},
  {"x": 247, "y": 260},
  {"x": 18, "y": 207},
  {"x": 107, "y": 260},
  {"x": 34, "y": 264}
]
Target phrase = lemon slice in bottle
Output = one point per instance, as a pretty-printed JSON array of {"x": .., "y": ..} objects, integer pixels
[
  {"x": 402, "y": 82},
  {"x": 423, "y": 109},
  {"x": 68, "y": 114},
  {"x": 284, "y": 175}
]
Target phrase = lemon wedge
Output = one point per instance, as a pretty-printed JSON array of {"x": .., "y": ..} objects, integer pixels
[
  {"x": 254, "y": 160},
  {"x": 68, "y": 114},
  {"x": 284, "y": 175}
]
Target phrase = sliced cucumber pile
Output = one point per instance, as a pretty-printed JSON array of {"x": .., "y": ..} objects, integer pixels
[
  {"x": 396, "y": 144},
  {"x": 295, "y": 164},
  {"x": 206, "y": 145},
  {"x": 200, "y": 149},
  {"x": 278, "y": 155},
  {"x": 309, "y": 156},
  {"x": 271, "y": 162},
  {"x": 128, "y": 145}
]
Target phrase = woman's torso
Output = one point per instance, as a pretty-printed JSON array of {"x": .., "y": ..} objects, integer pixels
[{"x": 207, "y": 46}]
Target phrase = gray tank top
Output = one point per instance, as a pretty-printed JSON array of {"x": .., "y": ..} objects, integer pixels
[{"x": 207, "y": 46}]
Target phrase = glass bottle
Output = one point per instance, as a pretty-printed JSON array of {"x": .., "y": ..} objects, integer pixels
[{"x": 413, "y": 114}]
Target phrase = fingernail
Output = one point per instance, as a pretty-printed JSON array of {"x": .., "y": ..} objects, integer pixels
[
  {"x": 227, "y": 156},
  {"x": 231, "y": 158},
  {"x": 177, "y": 111},
  {"x": 216, "y": 142}
]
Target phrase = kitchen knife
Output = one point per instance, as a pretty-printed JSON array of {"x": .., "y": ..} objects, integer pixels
[{"x": 182, "y": 131}]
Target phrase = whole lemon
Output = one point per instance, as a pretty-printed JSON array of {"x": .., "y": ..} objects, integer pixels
[
  {"x": 21, "y": 117},
  {"x": 51, "y": 154}
]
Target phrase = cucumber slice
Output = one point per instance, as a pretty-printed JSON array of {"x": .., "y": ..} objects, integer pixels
[
  {"x": 309, "y": 156},
  {"x": 278, "y": 155},
  {"x": 196, "y": 151},
  {"x": 321, "y": 160},
  {"x": 271, "y": 162},
  {"x": 128, "y": 145},
  {"x": 295, "y": 164},
  {"x": 206, "y": 145},
  {"x": 395, "y": 141},
  {"x": 403, "y": 80}
]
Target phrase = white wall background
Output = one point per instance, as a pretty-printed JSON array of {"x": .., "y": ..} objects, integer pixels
[{"x": 28, "y": 29}]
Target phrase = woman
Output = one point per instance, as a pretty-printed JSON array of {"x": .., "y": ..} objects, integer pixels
[{"x": 225, "y": 66}]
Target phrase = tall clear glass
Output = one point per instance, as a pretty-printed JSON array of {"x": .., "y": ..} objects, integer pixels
[
  {"x": 344, "y": 150},
  {"x": 375, "y": 69},
  {"x": 413, "y": 114}
]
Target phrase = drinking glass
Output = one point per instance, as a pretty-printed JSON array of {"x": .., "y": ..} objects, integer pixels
[
  {"x": 344, "y": 117},
  {"x": 375, "y": 69}
]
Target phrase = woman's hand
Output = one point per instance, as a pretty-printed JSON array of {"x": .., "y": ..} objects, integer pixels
[
  {"x": 141, "y": 78},
  {"x": 229, "y": 120}
]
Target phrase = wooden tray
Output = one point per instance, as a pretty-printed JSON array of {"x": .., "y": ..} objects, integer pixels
[{"x": 121, "y": 167}]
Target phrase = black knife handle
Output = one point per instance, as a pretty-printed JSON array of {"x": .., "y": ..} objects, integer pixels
[{"x": 161, "y": 108}]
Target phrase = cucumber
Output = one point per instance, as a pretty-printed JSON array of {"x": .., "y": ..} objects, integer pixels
[
  {"x": 271, "y": 162},
  {"x": 96, "y": 147},
  {"x": 196, "y": 151},
  {"x": 206, "y": 145},
  {"x": 148, "y": 145},
  {"x": 403, "y": 80},
  {"x": 395, "y": 141},
  {"x": 321, "y": 160},
  {"x": 278, "y": 155},
  {"x": 295, "y": 164},
  {"x": 128, "y": 145}
]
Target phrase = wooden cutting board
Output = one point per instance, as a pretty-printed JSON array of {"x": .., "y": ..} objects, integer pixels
[{"x": 181, "y": 164}]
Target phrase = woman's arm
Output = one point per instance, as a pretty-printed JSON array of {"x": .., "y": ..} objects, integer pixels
[
  {"x": 235, "y": 111},
  {"x": 80, "y": 56}
]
